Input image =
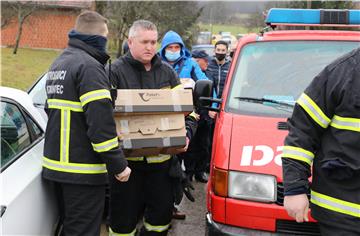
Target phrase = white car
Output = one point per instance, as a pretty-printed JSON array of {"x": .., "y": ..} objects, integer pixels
[
  {"x": 28, "y": 204},
  {"x": 227, "y": 39}
]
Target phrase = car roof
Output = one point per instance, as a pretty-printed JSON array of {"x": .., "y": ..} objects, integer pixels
[
  {"x": 312, "y": 35},
  {"x": 203, "y": 46},
  {"x": 25, "y": 100}
]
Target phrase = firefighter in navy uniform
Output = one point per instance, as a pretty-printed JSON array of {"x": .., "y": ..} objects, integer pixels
[
  {"x": 150, "y": 189},
  {"x": 325, "y": 134},
  {"x": 81, "y": 144}
]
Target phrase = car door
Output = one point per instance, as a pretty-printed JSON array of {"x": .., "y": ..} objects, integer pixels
[{"x": 28, "y": 205}]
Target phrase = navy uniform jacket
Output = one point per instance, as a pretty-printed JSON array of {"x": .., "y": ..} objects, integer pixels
[{"x": 325, "y": 135}]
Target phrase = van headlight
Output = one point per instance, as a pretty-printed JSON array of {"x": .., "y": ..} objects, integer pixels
[{"x": 251, "y": 186}]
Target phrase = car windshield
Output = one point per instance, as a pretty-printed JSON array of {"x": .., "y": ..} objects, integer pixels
[
  {"x": 38, "y": 92},
  {"x": 278, "y": 72}
]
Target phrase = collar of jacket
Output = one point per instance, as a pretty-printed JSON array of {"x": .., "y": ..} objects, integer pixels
[
  {"x": 97, "y": 54},
  {"x": 155, "y": 62},
  {"x": 215, "y": 62}
]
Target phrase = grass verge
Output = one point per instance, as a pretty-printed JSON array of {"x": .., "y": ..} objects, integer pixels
[{"x": 22, "y": 69}]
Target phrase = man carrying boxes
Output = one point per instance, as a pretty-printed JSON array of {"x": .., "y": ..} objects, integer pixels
[{"x": 148, "y": 139}]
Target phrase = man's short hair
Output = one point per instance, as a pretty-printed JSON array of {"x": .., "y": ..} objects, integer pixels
[
  {"x": 141, "y": 24},
  {"x": 90, "y": 22},
  {"x": 222, "y": 42}
]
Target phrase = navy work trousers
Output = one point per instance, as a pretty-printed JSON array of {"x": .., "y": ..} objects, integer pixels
[
  {"x": 81, "y": 208},
  {"x": 148, "y": 193}
]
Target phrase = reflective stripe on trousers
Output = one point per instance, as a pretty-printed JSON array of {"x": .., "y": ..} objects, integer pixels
[
  {"x": 151, "y": 159},
  {"x": 112, "y": 233},
  {"x": 156, "y": 228}
]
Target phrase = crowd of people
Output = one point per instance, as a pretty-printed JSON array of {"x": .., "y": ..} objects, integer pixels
[
  {"x": 81, "y": 168},
  {"x": 82, "y": 154}
]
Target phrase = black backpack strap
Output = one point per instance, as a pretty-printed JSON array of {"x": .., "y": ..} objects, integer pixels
[{"x": 113, "y": 90}]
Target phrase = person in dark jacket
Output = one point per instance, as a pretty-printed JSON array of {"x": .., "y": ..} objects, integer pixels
[
  {"x": 81, "y": 145},
  {"x": 202, "y": 59},
  {"x": 325, "y": 136},
  {"x": 219, "y": 66},
  {"x": 174, "y": 52},
  {"x": 197, "y": 158},
  {"x": 149, "y": 191}
]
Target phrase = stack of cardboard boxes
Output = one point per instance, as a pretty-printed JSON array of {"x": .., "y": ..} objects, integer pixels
[{"x": 152, "y": 121}]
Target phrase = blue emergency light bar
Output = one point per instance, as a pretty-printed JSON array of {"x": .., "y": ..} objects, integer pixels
[{"x": 285, "y": 16}]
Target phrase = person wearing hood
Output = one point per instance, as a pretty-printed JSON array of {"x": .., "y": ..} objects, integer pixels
[{"x": 174, "y": 52}]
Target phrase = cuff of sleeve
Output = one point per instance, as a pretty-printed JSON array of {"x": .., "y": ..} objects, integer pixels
[
  {"x": 296, "y": 191},
  {"x": 115, "y": 162}
]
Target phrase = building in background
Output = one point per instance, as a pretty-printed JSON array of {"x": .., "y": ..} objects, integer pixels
[{"x": 48, "y": 26}]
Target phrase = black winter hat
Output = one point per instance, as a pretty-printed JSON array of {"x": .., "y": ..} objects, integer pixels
[{"x": 200, "y": 54}]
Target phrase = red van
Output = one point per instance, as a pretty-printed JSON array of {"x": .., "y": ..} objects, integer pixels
[{"x": 268, "y": 73}]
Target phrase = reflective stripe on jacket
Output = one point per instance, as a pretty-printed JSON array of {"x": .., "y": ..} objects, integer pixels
[
  {"x": 81, "y": 143},
  {"x": 325, "y": 134}
]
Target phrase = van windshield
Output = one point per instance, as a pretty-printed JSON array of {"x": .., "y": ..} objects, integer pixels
[{"x": 278, "y": 71}]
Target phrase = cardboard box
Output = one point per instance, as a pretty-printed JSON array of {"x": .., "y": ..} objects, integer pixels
[
  {"x": 144, "y": 101},
  {"x": 144, "y": 135}
]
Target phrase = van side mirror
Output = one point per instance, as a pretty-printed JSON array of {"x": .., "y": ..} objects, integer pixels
[
  {"x": 203, "y": 88},
  {"x": 203, "y": 96}
]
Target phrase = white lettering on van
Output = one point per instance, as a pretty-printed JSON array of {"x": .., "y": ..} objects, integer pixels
[
  {"x": 266, "y": 158},
  {"x": 278, "y": 156}
]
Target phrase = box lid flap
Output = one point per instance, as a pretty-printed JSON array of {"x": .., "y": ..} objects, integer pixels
[{"x": 153, "y": 100}]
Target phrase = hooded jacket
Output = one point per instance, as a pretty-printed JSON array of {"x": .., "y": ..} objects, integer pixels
[{"x": 185, "y": 66}]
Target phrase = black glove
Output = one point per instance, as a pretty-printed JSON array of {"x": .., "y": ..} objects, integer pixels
[
  {"x": 113, "y": 94},
  {"x": 181, "y": 183},
  {"x": 176, "y": 174},
  {"x": 178, "y": 191},
  {"x": 187, "y": 187}
]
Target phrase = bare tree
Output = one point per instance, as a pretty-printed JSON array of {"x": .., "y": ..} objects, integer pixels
[
  {"x": 23, "y": 9},
  {"x": 121, "y": 15},
  {"x": 7, "y": 14},
  {"x": 167, "y": 15}
]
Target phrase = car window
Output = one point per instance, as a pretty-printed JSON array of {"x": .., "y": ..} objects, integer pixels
[
  {"x": 279, "y": 71},
  {"x": 16, "y": 134},
  {"x": 38, "y": 92},
  {"x": 209, "y": 49},
  {"x": 37, "y": 132}
]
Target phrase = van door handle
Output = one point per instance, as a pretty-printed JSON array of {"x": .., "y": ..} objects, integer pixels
[{"x": 3, "y": 209}]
